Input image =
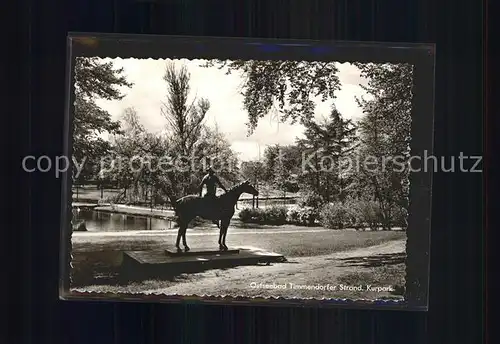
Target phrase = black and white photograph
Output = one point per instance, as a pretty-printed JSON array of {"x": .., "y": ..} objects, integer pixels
[{"x": 241, "y": 178}]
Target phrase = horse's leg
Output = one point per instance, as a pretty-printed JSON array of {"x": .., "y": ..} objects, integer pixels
[
  {"x": 181, "y": 223},
  {"x": 179, "y": 234},
  {"x": 221, "y": 248},
  {"x": 224, "y": 237},
  {"x": 184, "y": 242},
  {"x": 224, "y": 227}
]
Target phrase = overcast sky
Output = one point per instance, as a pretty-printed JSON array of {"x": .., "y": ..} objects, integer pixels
[{"x": 223, "y": 92}]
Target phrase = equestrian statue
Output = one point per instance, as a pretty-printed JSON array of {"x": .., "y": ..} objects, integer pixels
[{"x": 218, "y": 209}]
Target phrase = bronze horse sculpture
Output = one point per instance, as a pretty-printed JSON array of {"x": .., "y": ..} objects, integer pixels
[{"x": 221, "y": 209}]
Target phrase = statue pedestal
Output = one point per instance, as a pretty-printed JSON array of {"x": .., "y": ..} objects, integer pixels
[
  {"x": 138, "y": 265},
  {"x": 175, "y": 253}
]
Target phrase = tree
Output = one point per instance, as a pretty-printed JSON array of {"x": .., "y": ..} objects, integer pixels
[
  {"x": 289, "y": 156},
  {"x": 132, "y": 148},
  {"x": 282, "y": 174},
  {"x": 89, "y": 123},
  {"x": 291, "y": 85},
  {"x": 390, "y": 87},
  {"x": 252, "y": 170},
  {"x": 386, "y": 135},
  {"x": 173, "y": 161},
  {"x": 94, "y": 79},
  {"x": 97, "y": 79},
  {"x": 185, "y": 123},
  {"x": 213, "y": 149},
  {"x": 269, "y": 163},
  {"x": 185, "y": 119},
  {"x": 340, "y": 141},
  {"x": 325, "y": 145}
]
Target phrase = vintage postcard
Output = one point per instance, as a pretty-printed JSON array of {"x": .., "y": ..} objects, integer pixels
[{"x": 233, "y": 170}]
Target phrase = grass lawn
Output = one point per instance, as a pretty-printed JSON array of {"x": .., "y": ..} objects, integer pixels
[
  {"x": 101, "y": 255},
  {"x": 377, "y": 271},
  {"x": 297, "y": 241}
]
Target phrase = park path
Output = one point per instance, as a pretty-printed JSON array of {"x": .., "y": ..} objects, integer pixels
[{"x": 325, "y": 269}]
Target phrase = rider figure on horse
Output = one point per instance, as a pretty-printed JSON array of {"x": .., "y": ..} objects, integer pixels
[{"x": 211, "y": 181}]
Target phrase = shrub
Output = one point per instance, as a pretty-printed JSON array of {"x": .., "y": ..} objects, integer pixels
[
  {"x": 274, "y": 215},
  {"x": 399, "y": 217},
  {"x": 310, "y": 199},
  {"x": 290, "y": 186},
  {"x": 252, "y": 215},
  {"x": 279, "y": 215},
  {"x": 292, "y": 215},
  {"x": 248, "y": 214},
  {"x": 368, "y": 214},
  {"x": 306, "y": 216},
  {"x": 337, "y": 215}
]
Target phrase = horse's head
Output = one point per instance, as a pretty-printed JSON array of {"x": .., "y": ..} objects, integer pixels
[{"x": 248, "y": 188}]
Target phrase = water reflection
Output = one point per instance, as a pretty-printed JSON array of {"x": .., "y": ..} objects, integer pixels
[{"x": 103, "y": 221}]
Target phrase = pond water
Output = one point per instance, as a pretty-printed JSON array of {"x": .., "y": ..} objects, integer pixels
[
  {"x": 108, "y": 222},
  {"x": 104, "y": 221}
]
